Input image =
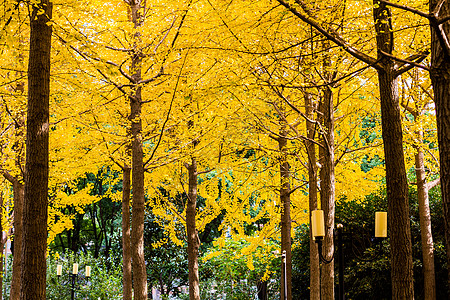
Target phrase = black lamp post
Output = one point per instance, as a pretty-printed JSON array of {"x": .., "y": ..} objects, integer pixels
[
  {"x": 74, "y": 276},
  {"x": 284, "y": 270},
  {"x": 318, "y": 232}
]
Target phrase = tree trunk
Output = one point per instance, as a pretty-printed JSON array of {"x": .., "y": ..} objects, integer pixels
[
  {"x": 2, "y": 247},
  {"x": 126, "y": 240},
  {"x": 314, "y": 279},
  {"x": 137, "y": 175},
  {"x": 97, "y": 237},
  {"x": 261, "y": 287},
  {"x": 440, "y": 77},
  {"x": 33, "y": 279},
  {"x": 429, "y": 292},
  {"x": 285, "y": 198},
  {"x": 327, "y": 191},
  {"x": 396, "y": 182},
  {"x": 397, "y": 189},
  {"x": 425, "y": 228},
  {"x": 138, "y": 204},
  {"x": 77, "y": 222},
  {"x": 18, "y": 190},
  {"x": 192, "y": 234}
]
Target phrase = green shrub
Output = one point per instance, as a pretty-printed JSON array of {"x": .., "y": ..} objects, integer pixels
[{"x": 105, "y": 281}]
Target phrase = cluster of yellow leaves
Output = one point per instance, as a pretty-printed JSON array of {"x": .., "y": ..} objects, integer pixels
[{"x": 246, "y": 248}]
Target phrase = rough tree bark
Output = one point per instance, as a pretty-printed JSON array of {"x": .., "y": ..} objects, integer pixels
[
  {"x": 314, "y": 279},
  {"x": 429, "y": 291},
  {"x": 34, "y": 250},
  {"x": 285, "y": 198},
  {"x": 18, "y": 190},
  {"x": 397, "y": 189},
  {"x": 138, "y": 204},
  {"x": 396, "y": 181},
  {"x": 137, "y": 173},
  {"x": 425, "y": 227},
  {"x": 327, "y": 190},
  {"x": 440, "y": 78},
  {"x": 2, "y": 247},
  {"x": 193, "y": 240},
  {"x": 126, "y": 239}
]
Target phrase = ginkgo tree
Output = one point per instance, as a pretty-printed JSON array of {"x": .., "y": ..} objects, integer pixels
[
  {"x": 388, "y": 71},
  {"x": 138, "y": 50}
]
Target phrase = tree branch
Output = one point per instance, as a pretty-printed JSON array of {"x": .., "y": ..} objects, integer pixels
[
  {"x": 9, "y": 177},
  {"x": 330, "y": 33},
  {"x": 408, "y": 63},
  {"x": 88, "y": 57},
  {"x": 433, "y": 17},
  {"x": 438, "y": 7},
  {"x": 407, "y": 8},
  {"x": 168, "y": 113},
  {"x": 118, "y": 49},
  {"x": 432, "y": 184}
]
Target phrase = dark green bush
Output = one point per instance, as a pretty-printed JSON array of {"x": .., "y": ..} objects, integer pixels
[{"x": 371, "y": 279}]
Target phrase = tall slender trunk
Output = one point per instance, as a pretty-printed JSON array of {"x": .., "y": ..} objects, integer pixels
[
  {"x": 126, "y": 240},
  {"x": 18, "y": 190},
  {"x": 193, "y": 240},
  {"x": 441, "y": 87},
  {"x": 425, "y": 227},
  {"x": 314, "y": 279},
  {"x": 137, "y": 173},
  {"x": 327, "y": 190},
  {"x": 397, "y": 189},
  {"x": 2, "y": 247},
  {"x": 440, "y": 77},
  {"x": 396, "y": 182},
  {"x": 97, "y": 237},
  {"x": 138, "y": 204},
  {"x": 285, "y": 198},
  {"x": 33, "y": 279},
  {"x": 429, "y": 292}
]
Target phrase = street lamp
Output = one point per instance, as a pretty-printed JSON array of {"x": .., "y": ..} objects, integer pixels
[
  {"x": 73, "y": 276},
  {"x": 318, "y": 233}
]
